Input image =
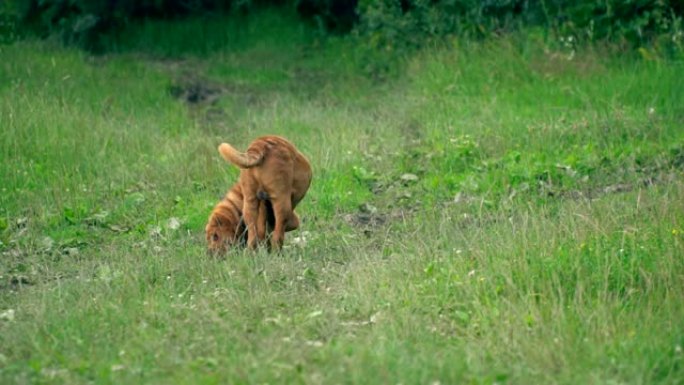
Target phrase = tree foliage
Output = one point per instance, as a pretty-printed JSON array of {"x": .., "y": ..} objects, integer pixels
[
  {"x": 410, "y": 22},
  {"x": 387, "y": 24},
  {"x": 84, "y": 21}
]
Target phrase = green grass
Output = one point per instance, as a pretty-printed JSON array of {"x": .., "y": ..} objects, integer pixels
[{"x": 538, "y": 238}]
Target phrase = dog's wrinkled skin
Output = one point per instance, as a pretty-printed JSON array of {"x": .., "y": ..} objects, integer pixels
[
  {"x": 225, "y": 227},
  {"x": 274, "y": 178}
]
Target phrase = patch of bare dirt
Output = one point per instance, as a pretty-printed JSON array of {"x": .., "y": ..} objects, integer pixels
[
  {"x": 195, "y": 91},
  {"x": 369, "y": 218},
  {"x": 15, "y": 282},
  {"x": 616, "y": 188}
]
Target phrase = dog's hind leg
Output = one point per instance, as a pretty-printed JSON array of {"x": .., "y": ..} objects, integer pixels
[
  {"x": 292, "y": 222},
  {"x": 262, "y": 221},
  {"x": 282, "y": 210},
  {"x": 250, "y": 214}
]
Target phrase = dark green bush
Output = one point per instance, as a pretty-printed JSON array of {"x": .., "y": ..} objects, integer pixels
[
  {"x": 636, "y": 22},
  {"x": 83, "y": 22},
  {"x": 389, "y": 25},
  {"x": 400, "y": 23},
  {"x": 332, "y": 15},
  {"x": 9, "y": 21}
]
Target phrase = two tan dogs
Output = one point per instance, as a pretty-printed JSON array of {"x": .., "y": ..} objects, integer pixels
[{"x": 274, "y": 177}]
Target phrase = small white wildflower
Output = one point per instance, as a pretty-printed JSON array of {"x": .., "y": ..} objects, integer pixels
[
  {"x": 408, "y": 178},
  {"x": 47, "y": 243},
  {"x": 173, "y": 223},
  {"x": 315, "y": 314},
  {"x": 315, "y": 344},
  {"x": 155, "y": 231},
  {"x": 7, "y": 315},
  {"x": 302, "y": 239},
  {"x": 374, "y": 318},
  {"x": 52, "y": 373}
]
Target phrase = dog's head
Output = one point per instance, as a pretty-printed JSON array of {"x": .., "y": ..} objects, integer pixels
[{"x": 224, "y": 229}]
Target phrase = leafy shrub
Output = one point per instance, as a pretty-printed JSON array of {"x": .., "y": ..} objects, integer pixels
[
  {"x": 8, "y": 23},
  {"x": 407, "y": 23},
  {"x": 331, "y": 15},
  {"x": 390, "y": 24},
  {"x": 84, "y": 22},
  {"x": 388, "y": 27},
  {"x": 634, "y": 22}
]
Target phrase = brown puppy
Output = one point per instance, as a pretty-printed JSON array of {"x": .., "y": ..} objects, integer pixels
[
  {"x": 271, "y": 169},
  {"x": 225, "y": 227}
]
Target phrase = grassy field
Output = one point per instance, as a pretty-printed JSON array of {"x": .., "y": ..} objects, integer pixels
[{"x": 503, "y": 212}]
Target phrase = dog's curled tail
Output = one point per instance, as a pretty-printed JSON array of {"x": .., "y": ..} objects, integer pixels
[{"x": 247, "y": 159}]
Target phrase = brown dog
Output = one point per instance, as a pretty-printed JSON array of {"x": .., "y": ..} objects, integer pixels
[
  {"x": 273, "y": 172},
  {"x": 225, "y": 227}
]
